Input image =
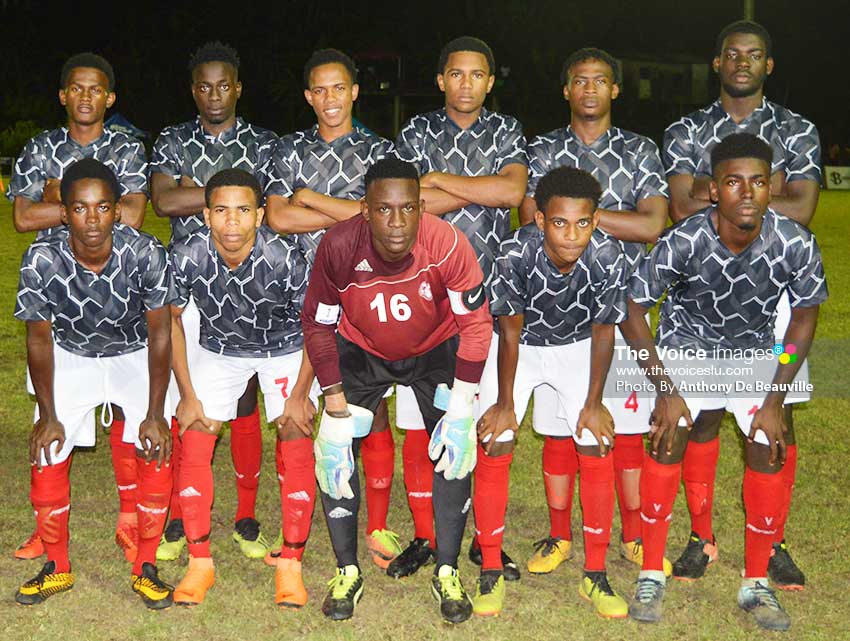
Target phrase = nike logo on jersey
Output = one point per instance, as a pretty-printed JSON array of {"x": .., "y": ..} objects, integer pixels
[{"x": 363, "y": 266}]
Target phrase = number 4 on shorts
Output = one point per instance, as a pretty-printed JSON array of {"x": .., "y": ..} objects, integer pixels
[
  {"x": 284, "y": 383},
  {"x": 631, "y": 402}
]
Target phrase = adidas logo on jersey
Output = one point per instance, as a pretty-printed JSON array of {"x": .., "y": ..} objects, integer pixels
[
  {"x": 338, "y": 513},
  {"x": 363, "y": 266}
]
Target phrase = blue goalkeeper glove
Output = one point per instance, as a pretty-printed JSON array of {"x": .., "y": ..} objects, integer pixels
[
  {"x": 332, "y": 449},
  {"x": 454, "y": 443}
]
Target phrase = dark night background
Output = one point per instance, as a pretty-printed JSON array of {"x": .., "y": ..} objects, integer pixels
[{"x": 149, "y": 44}]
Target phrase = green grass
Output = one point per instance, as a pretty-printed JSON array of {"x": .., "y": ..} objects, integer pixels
[{"x": 101, "y": 606}]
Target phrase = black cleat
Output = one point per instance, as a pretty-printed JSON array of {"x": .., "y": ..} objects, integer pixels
[
  {"x": 697, "y": 556},
  {"x": 44, "y": 584},
  {"x": 344, "y": 591},
  {"x": 455, "y": 606},
  {"x": 782, "y": 571},
  {"x": 510, "y": 570},
  {"x": 416, "y": 555}
]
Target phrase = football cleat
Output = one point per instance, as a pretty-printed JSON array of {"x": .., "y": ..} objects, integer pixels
[
  {"x": 549, "y": 553},
  {"x": 782, "y": 571},
  {"x": 246, "y": 532},
  {"x": 510, "y": 570},
  {"x": 172, "y": 542},
  {"x": 344, "y": 592},
  {"x": 289, "y": 591},
  {"x": 646, "y": 607},
  {"x": 760, "y": 601},
  {"x": 416, "y": 555},
  {"x": 200, "y": 577},
  {"x": 127, "y": 538},
  {"x": 32, "y": 548},
  {"x": 383, "y": 546},
  {"x": 609, "y": 605},
  {"x": 633, "y": 551},
  {"x": 489, "y": 594},
  {"x": 44, "y": 584},
  {"x": 156, "y": 594},
  {"x": 698, "y": 555},
  {"x": 455, "y": 606}
]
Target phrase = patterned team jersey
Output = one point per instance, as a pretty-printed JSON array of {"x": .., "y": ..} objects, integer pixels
[
  {"x": 252, "y": 310},
  {"x": 188, "y": 150},
  {"x": 794, "y": 140},
  {"x": 92, "y": 314},
  {"x": 433, "y": 142},
  {"x": 396, "y": 310},
  {"x": 626, "y": 165},
  {"x": 50, "y": 153},
  {"x": 717, "y": 298},
  {"x": 337, "y": 169},
  {"x": 559, "y": 308}
]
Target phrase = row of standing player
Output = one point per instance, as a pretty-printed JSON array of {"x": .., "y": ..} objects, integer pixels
[{"x": 589, "y": 96}]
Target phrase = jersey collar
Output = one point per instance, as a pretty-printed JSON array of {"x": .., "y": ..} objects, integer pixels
[
  {"x": 600, "y": 143},
  {"x": 720, "y": 113},
  {"x": 224, "y": 136},
  {"x": 104, "y": 137},
  {"x": 479, "y": 123}
]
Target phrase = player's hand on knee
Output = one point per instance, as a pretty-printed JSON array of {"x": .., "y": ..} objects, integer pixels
[
  {"x": 770, "y": 419},
  {"x": 334, "y": 456},
  {"x": 670, "y": 413},
  {"x": 190, "y": 412},
  {"x": 494, "y": 422},
  {"x": 596, "y": 419},
  {"x": 298, "y": 412},
  {"x": 155, "y": 438},
  {"x": 45, "y": 432},
  {"x": 454, "y": 440}
]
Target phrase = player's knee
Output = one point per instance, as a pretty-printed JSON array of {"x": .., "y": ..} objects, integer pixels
[
  {"x": 504, "y": 444},
  {"x": 214, "y": 429},
  {"x": 758, "y": 458},
  {"x": 706, "y": 426},
  {"x": 289, "y": 433}
]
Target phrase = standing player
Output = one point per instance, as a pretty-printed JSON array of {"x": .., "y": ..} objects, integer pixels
[
  {"x": 185, "y": 157},
  {"x": 247, "y": 283},
  {"x": 315, "y": 180},
  {"x": 472, "y": 168},
  {"x": 723, "y": 271},
  {"x": 559, "y": 292},
  {"x": 87, "y": 90},
  {"x": 418, "y": 317},
  {"x": 633, "y": 209},
  {"x": 95, "y": 298},
  {"x": 743, "y": 59}
]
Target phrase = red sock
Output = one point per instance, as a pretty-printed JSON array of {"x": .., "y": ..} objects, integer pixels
[
  {"x": 698, "y": 471},
  {"x": 490, "y": 501},
  {"x": 246, "y": 448},
  {"x": 50, "y": 494},
  {"x": 196, "y": 490},
  {"x": 789, "y": 475},
  {"x": 152, "y": 508},
  {"x": 377, "y": 452},
  {"x": 418, "y": 479},
  {"x": 297, "y": 475},
  {"x": 559, "y": 459},
  {"x": 764, "y": 498},
  {"x": 628, "y": 455},
  {"x": 596, "y": 491},
  {"x": 176, "y": 453},
  {"x": 658, "y": 487},
  {"x": 124, "y": 464}
]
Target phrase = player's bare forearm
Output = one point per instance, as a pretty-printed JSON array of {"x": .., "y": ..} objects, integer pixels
[
  {"x": 339, "y": 209},
  {"x": 642, "y": 226},
  {"x": 688, "y": 195},
  {"x": 335, "y": 402},
  {"x": 40, "y": 363},
  {"x": 28, "y": 215},
  {"x": 797, "y": 201},
  {"x": 179, "y": 360},
  {"x": 286, "y": 218},
  {"x": 133, "y": 209},
  {"x": 510, "y": 328},
  {"x": 305, "y": 376},
  {"x": 173, "y": 200},
  {"x": 639, "y": 337},
  {"x": 505, "y": 189},
  {"x": 439, "y": 202},
  {"x": 527, "y": 210},
  {"x": 601, "y": 354},
  {"x": 159, "y": 358},
  {"x": 800, "y": 334}
]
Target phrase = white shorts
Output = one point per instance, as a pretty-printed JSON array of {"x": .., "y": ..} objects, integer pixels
[
  {"x": 191, "y": 318},
  {"x": 81, "y": 383},
  {"x": 220, "y": 382},
  {"x": 783, "y": 319}
]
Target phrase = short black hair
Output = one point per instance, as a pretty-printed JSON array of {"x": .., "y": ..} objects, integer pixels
[
  {"x": 591, "y": 53},
  {"x": 744, "y": 26},
  {"x": 466, "y": 43},
  {"x": 88, "y": 168},
  {"x": 233, "y": 178},
  {"x": 567, "y": 182},
  {"x": 325, "y": 57},
  {"x": 741, "y": 146},
  {"x": 214, "y": 51},
  {"x": 391, "y": 168},
  {"x": 87, "y": 59}
]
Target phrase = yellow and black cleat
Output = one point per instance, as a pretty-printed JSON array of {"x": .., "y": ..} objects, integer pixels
[
  {"x": 44, "y": 584},
  {"x": 156, "y": 594}
]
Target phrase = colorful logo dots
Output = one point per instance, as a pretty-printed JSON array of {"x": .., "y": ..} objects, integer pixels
[{"x": 787, "y": 353}]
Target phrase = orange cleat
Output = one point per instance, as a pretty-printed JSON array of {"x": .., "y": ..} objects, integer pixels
[
  {"x": 32, "y": 548},
  {"x": 127, "y": 538},
  {"x": 199, "y": 578},
  {"x": 289, "y": 588}
]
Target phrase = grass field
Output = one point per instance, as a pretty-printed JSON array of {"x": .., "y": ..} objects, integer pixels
[{"x": 102, "y": 606}]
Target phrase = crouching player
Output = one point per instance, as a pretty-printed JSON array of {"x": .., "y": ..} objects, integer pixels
[
  {"x": 560, "y": 290},
  {"x": 406, "y": 292},
  {"x": 248, "y": 284},
  {"x": 95, "y": 299},
  {"x": 724, "y": 270}
]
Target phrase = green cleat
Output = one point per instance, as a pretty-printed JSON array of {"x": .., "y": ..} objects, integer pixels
[
  {"x": 446, "y": 587},
  {"x": 383, "y": 546},
  {"x": 344, "y": 591},
  {"x": 489, "y": 594},
  {"x": 172, "y": 542},
  {"x": 246, "y": 533},
  {"x": 609, "y": 605}
]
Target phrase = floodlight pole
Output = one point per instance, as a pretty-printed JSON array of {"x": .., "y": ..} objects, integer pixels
[{"x": 749, "y": 9}]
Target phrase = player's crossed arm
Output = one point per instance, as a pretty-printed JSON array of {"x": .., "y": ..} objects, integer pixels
[
  {"x": 504, "y": 189},
  {"x": 173, "y": 198},
  {"x": 290, "y": 215}
]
